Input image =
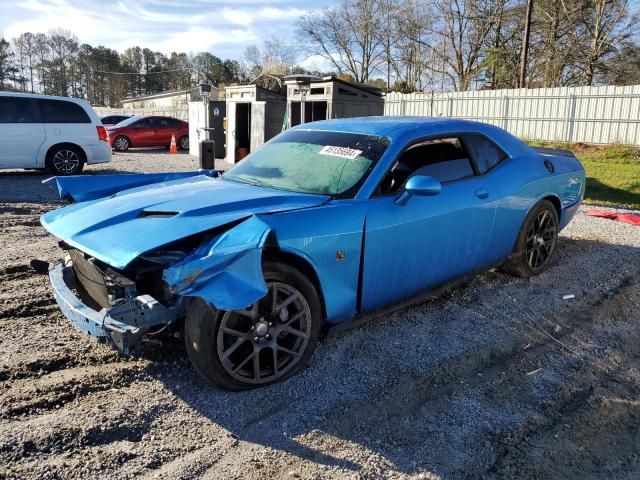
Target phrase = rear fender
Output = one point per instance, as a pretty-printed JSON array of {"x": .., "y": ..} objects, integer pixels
[{"x": 225, "y": 272}]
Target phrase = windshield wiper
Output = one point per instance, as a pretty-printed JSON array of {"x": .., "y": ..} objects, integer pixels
[{"x": 246, "y": 182}]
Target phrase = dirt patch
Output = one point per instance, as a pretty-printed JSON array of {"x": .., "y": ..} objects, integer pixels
[{"x": 499, "y": 379}]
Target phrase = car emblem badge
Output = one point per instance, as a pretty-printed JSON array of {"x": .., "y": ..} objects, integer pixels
[{"x": 340, "y": 256}]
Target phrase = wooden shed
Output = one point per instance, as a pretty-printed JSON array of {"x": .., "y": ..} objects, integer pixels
[{"x": 254, "y": 115}]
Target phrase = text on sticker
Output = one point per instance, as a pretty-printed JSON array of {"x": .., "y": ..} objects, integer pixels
[{"x": 343, "y": 152}]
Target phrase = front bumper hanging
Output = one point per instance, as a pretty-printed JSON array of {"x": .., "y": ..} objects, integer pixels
[{"x": 124, "y": 324}]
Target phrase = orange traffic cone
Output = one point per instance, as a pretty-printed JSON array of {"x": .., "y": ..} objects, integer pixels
[{"x": 173, "y": 148}]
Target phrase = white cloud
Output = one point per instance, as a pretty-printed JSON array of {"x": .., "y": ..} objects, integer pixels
[
  {"x": 224, "y": 27},
  {"x": 319, "y": 63},
  {"x": 247, "y": 17}
]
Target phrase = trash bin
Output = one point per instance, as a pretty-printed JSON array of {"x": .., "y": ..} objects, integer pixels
[{"x": 207, "y": 155}]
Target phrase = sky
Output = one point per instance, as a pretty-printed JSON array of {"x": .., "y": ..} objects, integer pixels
[{"x": 222, "y": 27}]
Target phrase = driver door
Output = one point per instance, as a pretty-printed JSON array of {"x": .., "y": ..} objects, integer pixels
[{"x": 430, "y": 239}]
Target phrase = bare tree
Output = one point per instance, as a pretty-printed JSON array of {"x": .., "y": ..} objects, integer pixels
[
  {"x": 465, "y": 27},
  {"x": 607, "y": 24},
  {"x": 347, "y": 36},
  {"x": 412, "y": 53}
]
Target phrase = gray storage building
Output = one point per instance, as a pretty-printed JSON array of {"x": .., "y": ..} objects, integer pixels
[{"x": 311, "y": 98}]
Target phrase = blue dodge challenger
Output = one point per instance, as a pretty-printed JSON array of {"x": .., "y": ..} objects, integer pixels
[{"x": 327, "y": 224}]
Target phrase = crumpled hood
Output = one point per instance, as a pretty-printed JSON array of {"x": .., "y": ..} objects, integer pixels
[{"x": 118, "y": 229}]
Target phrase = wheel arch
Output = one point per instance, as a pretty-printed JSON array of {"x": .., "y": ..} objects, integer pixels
[
  {"x": 125, "y": 136},
  {"x": 555, "y": 200},
  {"x": 273, "y": 253},
  {"x": 49, "y": 151}
]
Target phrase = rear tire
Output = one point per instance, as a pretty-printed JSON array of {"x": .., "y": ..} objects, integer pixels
[
  {"x": 227, "y": 348},
  {"x": 183, "y": 143},
  {"x": 121, "y": 144},
  {"x": 65, "y": 160},
  {"x": 536, "y": 242}
]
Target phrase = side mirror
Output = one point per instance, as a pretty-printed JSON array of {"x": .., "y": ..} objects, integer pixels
[{"x": 419, "y": 185}]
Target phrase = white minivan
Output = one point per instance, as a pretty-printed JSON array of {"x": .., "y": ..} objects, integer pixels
[{"x": 57, "y": 133}]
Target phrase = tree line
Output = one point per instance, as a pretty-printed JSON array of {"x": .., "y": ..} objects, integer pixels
[
  {"x": 56, "y": 63},
  {"x": 402, "y": 45}
]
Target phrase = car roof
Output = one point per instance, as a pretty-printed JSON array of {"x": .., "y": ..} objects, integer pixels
[
  {"x": 405, "y": 128},
  {"x": 81, "y": 101},
  {"x": 384, "y": 125}
]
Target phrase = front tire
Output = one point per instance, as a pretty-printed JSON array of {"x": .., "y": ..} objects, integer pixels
[
  {"x": 121, "y": 144},
  {"x": 264, "y": 344},
  {"x": 536, "y": 242},
  {"x": 65, "y": 160}
]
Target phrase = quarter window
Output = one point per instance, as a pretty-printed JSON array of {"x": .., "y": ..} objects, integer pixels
[
  {"x": 60, "y": 111},
  {"x": 486, "y": 154},
  {"x": 15, "y": 110}
]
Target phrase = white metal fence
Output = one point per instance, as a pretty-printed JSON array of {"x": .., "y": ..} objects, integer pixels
[
  {"x": 176, "y": 112},
  {"x": 581, "y": 114}
]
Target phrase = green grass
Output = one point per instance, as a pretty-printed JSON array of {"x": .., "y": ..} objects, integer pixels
[{"x": 613, "y": 172}]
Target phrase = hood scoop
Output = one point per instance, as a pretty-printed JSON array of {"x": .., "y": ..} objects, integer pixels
[{"x": 156, "y": 214}]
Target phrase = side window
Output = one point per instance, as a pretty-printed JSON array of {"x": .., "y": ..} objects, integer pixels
[
  {"x": 444, "y": 159},
  {"x": 144, "y": 123},
  {"x": 159, "y": 122},
  {"x": 486, "y": 153},
  {"x": 15, "y": 110},
  {"x": 60, "y": 111}
]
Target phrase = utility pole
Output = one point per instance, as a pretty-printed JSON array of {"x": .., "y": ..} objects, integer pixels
[{"x": 525, "y": 45}]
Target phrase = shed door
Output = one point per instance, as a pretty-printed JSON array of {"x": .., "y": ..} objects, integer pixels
[
  {"x": 231, "y": 133},
  {"x": 257, "y": 124},
  {"x": 217, "y": 114},
  {"x": 275, "y": 119}
]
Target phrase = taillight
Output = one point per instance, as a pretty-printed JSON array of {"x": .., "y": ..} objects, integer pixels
[{"x": 102, "y": 133}]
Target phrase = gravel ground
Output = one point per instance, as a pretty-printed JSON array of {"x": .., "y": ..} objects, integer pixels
[{"x": 501, "y": 378}]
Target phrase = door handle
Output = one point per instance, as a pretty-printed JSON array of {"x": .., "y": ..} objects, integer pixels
[{"x": 482, "y": 193}]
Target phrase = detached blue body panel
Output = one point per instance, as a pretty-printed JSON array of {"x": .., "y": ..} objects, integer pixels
[
  {"x": 364, "y": 252},
  {"x": 81, "y": 188},
  {"x": 226, "y": 272}
]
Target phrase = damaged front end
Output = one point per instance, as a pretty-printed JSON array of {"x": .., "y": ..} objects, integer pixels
[{"x": 223, "y": 268}]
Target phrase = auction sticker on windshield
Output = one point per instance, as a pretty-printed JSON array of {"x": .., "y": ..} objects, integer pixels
[{"x": 342, "y": 152}]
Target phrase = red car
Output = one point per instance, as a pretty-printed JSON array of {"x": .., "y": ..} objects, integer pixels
[{"x": 148, "y": 132}]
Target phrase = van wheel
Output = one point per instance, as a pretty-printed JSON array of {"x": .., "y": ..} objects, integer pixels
[
  {"x": 183, "y": 143},
  {"x": 262, "y": 344},
  {"x": 65, "y": 160},
  {"x": 121, "y": 144}
]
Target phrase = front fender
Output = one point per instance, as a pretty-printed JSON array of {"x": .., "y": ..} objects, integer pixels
[{"x": 227, "y": 271}]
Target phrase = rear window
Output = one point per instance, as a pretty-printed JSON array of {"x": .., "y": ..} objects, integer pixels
[
  {"x": 15, "y": 110},
  {"x": 128, "y": 121},
  {"x": 59, "y": 111},
  {"x": 113, "y": 119}
]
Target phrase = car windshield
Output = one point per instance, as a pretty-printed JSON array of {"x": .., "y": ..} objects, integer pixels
[
  {"x": 128, "y": 121},
  {"x": 311, "y": 161}
]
